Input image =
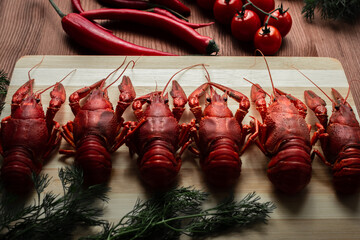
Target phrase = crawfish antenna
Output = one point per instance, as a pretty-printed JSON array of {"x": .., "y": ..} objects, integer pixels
[
  {"x": 315, "y": 84},
  {"x": 42, "y": 91},
  {"x": 122, "y": 64},
  {"x": 207, "y": 76},
  {"x": 255, "y": 84},
  {"x": 127, "y": 65},
  {"x": 31, "y": 87},
  {"x": 35, "y": 67},
  {"x": 347, "y": 95},
  {"x": 186, "y": 68},
  {"x": 267, "y": 66}
]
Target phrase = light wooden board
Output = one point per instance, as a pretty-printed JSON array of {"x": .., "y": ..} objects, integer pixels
[{"x": 315, "y": 213}]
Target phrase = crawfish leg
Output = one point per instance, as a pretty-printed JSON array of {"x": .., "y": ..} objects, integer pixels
[
  {"x": 179, "y": 100},
  {"x": 194, "y": 103},
  {"x": 184, "y": 137},
  {"x": 54, "y": 140},
  {"x": 258, "y": 129},
  {"x": 128, "y": 129},
  {"x": 194, "y": 137},
  {"x": 127, "y": 95},
  {"x": 67, "y": 133},
  {"x": 244, "y": 103}
]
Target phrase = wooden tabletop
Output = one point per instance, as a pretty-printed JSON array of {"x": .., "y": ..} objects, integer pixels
[{"x": 34, "y": 28}]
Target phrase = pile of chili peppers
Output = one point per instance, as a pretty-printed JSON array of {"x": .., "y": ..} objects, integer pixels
[{"x": 82, "y": 28}]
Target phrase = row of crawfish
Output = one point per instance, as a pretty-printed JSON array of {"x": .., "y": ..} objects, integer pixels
[{"x": 216, "y": 135}]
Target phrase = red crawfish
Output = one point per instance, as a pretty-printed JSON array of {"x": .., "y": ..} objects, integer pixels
[
  {"x": 340, "y": 139},
  {"x": 283, "y": 136},
  {"x": 157, "y": 136},
  {"x": 28, "y": 136},
  {"x": 218, "y": 135},
  {"x": 96, "y": 130}
]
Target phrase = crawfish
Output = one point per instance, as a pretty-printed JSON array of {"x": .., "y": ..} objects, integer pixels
[
  {"x": 340, "y": 140},
  {"x": 157, "y": 135},
  {"x": 218, "y": 135},
  {"x": 283, "y": 136},
  {"x": 97, "y": 131},
  {"x": 28, "y": 136}
]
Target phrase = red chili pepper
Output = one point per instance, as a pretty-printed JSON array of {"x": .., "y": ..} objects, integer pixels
[
  {"x": 175, "y": 5},
  {"x": 77, "y": 6},
  {"x": 133, "y": 4},
  {"x": 170, "y": 15},
  {"x": 90, "y": 35},
  {"x": 203, "y": 44}
]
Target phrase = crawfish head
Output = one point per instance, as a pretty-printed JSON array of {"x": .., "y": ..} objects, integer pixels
[
  {"x": 97, "y": 99},
  {"x": 30, "y": 107},
  {"x": 157, "y": 106},
  {"x": 217, "y": 106}
]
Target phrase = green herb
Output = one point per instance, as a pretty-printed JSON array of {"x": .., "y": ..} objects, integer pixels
[
  {"x": 4, "y": 83},
  {"x": 52, "y": 216},
  {"x": 332, "y": 9},
  {"x": 179, "y": 211}
]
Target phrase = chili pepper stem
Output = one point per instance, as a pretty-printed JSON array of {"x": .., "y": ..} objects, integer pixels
[
  {"x": 57, "y": 9},
  {"x": 212, "y": 47}
]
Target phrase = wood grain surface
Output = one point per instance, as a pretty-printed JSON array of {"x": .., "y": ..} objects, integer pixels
[
  {"x": 34, "y": 28},
  {"x": 317, "y": 212}
]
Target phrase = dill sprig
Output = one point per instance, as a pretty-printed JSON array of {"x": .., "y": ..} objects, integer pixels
[
  {"x": 332, "y": 9},
  {"x": 52, "y": 216},
  {"x": 179, "y": 211},
  {"x": 4, "y": 83}
]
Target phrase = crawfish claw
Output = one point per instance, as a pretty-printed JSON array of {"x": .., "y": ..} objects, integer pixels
[
  {"x": 195, "y": 95},
  {"x": 58, "y": 96},
  {"x": 83, "y": 92},
  {"x": 316, "y": 104},
  {"x": 22, "y": 92},
  {"x": 127, "y": 91},
  {"x": 178, "y": 94}
]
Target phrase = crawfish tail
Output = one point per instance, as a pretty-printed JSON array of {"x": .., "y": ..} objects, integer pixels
[
  {"x": 94, "y": 159},
  {"x": 17, "y": 170},
  {"x": 290, "y": 168},
  {"x": 346, "y": 170},
  {"x": 222, "y": 166},
  {"x": 158, "y": 164}
]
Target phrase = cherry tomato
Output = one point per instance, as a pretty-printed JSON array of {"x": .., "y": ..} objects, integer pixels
[
  {"x": 265, "y": 5},
  {"x": 268, "y": 40},
  {"x": 224, "y": 10},
  {"x": 206, "y": 4},
  {"x": 284, "y": 22},
  {"x": 244, "y": 25}
]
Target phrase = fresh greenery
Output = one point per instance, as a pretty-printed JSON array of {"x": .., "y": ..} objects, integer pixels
[
  {"x": 179, "y": 211},
  {"x": 52, "y": 216},
  {"x": 4, "y": 83},
  {"x": 166, "y": 215},
  {"x": 332, "y": 9}
]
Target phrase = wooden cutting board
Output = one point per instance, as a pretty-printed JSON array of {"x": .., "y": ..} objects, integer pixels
[{"x": 315, "y": 213}]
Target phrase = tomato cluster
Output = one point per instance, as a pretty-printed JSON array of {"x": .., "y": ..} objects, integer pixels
[{"x": 256, "y": 21}]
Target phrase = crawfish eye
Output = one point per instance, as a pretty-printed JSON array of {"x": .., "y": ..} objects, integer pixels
[
  {"x": 225, "y": 99},
  {"x": 208, "y": 99},
  {"x": 37, "y": 100},
  {"x": 148, "y": 101},
  {"x": 166, "y": 101}
]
